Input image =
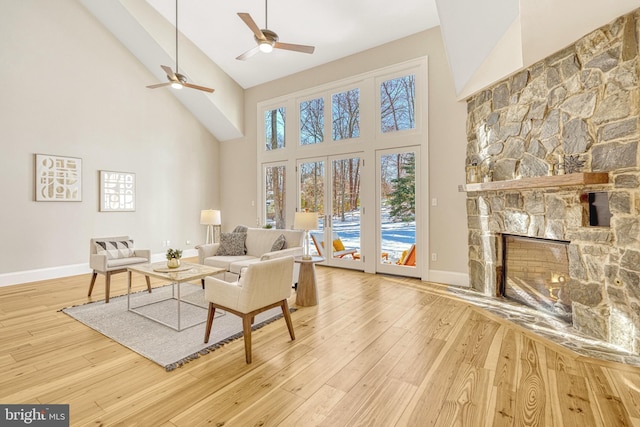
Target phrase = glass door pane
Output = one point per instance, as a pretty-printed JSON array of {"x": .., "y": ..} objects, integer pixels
[
  {"x": 311, "y": 179},
  {"x": 343, "y": 227},
  {"x": 397, "y": 232},
  {"x": 274, "y": 196},
  {"x": 334, "y": 193}
]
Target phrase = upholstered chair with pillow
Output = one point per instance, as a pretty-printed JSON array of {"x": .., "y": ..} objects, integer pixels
[
  {"x": 263, "y": 285},
  {"x": 111, "y": 255}
]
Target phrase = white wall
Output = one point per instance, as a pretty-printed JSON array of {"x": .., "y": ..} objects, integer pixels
[
  {"x": 447, "y": 142},
  {"x": 70, "y": 88}
]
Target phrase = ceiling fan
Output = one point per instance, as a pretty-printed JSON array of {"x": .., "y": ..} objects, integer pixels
[
  {"x": 177, "y": 80},
  {"x": 267, "y": 40}
]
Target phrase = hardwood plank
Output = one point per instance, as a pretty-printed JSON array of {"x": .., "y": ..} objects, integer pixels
[
  {"x": 315, "y": 409},
  {"x": 627, "y": 386},
  {"x": 376, "y": 350},
  {"x": 431, "y": 393},
  {"x": 360, "y": 365},
  {"x": 505, "y": 380},
  {"x": 531, "y": 394},
  {"x": 607, "y": 401},
  {"x": 576, "y": 407},
  {"x": 467, "y": 397},
  {"x": 272, "y": 409}
]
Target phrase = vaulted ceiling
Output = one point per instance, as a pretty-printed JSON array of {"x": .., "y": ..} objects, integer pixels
[
  {"x": 485, "y": 40},
  {"x": 337, "y": 28}
]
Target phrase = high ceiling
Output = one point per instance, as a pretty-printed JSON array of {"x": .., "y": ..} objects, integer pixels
[
  {"x": 337, "y": 28},
  {"x": 484, "y": 40}
]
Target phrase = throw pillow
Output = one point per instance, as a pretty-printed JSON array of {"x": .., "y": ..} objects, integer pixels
[
  {"x": 115, "y": 250},
  {"x": 279, "y": 244},
  {"x": 231, "y": 244},
  {"x": 337, "y": 245},
  {"x": 240, "y": 229}
]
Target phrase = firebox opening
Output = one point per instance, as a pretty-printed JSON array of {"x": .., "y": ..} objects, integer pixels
[{"x": 536, "y": 274}]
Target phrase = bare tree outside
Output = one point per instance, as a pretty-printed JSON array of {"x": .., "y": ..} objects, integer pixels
[
  {"x": 345, "y": 107},
  {"x": 312, "y": 186},
  {"x": 275, "y": 196},
  {"x": 274, "y": 122},
  {"x": 346, "y": 187},
  {"x": 312, "y": 121},
  {"x": 397, "y": 104}
]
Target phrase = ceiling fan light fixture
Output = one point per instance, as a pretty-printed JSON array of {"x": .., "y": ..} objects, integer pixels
[
  {"x": 177, "y": 80},
  {"x": 266, "y": 46}
]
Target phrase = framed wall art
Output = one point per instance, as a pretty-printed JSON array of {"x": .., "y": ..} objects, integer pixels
[
  {"x": 58, "y": 178},
  {"x": 117, "y": 191}
]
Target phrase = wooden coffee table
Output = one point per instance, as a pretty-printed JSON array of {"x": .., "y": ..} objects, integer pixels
[
  {"x": 307, "y": 291},
  {"x": 187, "y": 272}
]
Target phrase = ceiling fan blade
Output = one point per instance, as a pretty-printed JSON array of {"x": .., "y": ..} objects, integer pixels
[
  {"x": 192, "y": 86},
  {"x": 159, "y": 85},
  {"x": 170, "y": 74},
  {"x": 252, "y": 25},
  {"x": 249, "y": 53},
  {"x": 295, "y": 47}
]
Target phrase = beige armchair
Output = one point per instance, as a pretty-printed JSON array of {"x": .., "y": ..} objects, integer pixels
[
  {"x": 111, "y": 255},
  {"x": 263, "y": 285}
]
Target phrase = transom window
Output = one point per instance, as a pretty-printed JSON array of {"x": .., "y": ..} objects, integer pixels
[
  {"x": 345, "y": 114},
  {"x": 397, "y": 104},
  {"x": 312, "y": 121}
]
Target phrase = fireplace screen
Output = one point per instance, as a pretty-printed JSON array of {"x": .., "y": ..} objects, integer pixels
[{"x": 536, "y": 273}]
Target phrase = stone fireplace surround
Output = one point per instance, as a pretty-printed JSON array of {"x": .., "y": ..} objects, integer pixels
[{"x": 582, "y": 101}]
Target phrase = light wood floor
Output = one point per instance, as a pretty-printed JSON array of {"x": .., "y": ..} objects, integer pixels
[{"x": 376, "y": 351}]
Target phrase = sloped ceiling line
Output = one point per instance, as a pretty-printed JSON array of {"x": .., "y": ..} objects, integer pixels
[{"x": 149, "y": 37}]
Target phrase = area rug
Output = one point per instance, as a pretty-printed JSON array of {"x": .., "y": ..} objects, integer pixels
[{"x": 159, "y": 343}]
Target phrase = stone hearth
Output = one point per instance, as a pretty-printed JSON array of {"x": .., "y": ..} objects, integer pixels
[{"x": 577, "y": 109}]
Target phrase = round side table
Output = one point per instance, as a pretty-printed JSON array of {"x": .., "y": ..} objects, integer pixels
[{"x": 307, "y": 292}]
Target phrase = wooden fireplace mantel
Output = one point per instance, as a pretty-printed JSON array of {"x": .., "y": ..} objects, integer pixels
[{"x": 554, "y": 181}]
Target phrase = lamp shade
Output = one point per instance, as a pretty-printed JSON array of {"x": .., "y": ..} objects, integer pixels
[
  {"x": 210, "y": 217},
  {"x": 305, "y": 221}
]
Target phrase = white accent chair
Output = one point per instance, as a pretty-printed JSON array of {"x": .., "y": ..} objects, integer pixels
[
  {"x": 100, "y": 263},
  {"x": 339, "y": 250},
  {"x": 262, "y": 286}
]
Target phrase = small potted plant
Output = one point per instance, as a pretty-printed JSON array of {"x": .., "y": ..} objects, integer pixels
[{"x": 173, "y": 258}]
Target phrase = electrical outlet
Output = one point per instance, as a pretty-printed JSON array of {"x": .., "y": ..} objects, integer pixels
[
  {"x": 188, "y": 242},
  {"x": 168, "y": 242},
  {"x": 434, "y": 256},
  {"x": 434, "y": 202}
]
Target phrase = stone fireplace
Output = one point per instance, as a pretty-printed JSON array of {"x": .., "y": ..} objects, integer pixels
[{"x": 545, "y": 144}]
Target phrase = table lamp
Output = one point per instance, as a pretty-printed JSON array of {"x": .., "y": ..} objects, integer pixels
[
  {"x": 210, "y": 217},
  {"x": 306, "y": 221}
]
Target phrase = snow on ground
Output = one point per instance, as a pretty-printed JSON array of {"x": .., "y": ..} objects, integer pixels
[{"x": 396, "y": 236}]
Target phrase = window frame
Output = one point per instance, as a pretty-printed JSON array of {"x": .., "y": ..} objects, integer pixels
[
  {"x": 370, "y": 139},
  {"x": 417, "y": 108}
]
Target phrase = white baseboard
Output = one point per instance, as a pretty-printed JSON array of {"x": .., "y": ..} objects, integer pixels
[
  {"x": 28, "y": 276},
  {"x": 449, "y": 278}
]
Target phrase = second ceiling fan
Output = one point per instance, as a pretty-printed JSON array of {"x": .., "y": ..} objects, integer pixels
[{"x": 268, "y": 40}]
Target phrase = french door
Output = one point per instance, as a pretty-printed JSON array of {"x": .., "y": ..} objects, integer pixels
[
  {"x": 398, "y": 208},
  {"x": 330, "y": 186}
]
